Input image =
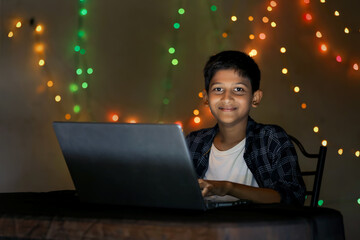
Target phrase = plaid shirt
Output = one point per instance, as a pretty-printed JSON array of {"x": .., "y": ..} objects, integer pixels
[{"x": 269, "y": 154}]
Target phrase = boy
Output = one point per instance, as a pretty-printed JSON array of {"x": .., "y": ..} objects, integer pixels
[{"x": 239, "y": 158}]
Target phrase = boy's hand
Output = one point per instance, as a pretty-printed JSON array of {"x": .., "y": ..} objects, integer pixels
[{"x": 209, "y": 187}]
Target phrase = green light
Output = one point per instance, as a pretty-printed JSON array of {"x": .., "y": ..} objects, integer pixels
[
  {"x": 81, "y": 33},
  {"x": 171, "y": 50},
  {"x": 213, "y": 8},
  {"x": 76, "y": 108},
  {"x": 84, "y": 85},
  {"x": 166, "y": 101},
  {"x": 78, "y": 71},
  {"x": 77, "y": 48},
  {"x": 176, "y": 25},
  {"x": 82, "y": 51},
  {"x": 73, "y": 87},
  {"x": 305, "y": 197},
  {"x": 181, "y": 11},
  {"x": 83, "y": 12},
  {"x": 90, "y": 70},
  {"x": 320, "y": 202},
  {"x": 174, "y": 62},
  {"x": 358, "y": 200}
]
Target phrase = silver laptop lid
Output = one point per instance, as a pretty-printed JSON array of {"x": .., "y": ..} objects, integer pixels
[{"x": 130, "y": 164}]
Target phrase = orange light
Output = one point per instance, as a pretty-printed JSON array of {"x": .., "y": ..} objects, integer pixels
[
  {"x": 39, "y": 29},
  {"x": 306, "y": 1},
  {"x": 273, "y": 4},
  {"x": 132, "y": 121},
  {"x": 201, "y": 95},
  {"x": 115, "y": 117},
  {"x": 50, "y": 83},
  {"x": 224, "y": 35},
  {"x": 18, "y": 24},
  {"x": 197, "y": 120},
  {"x": 67, "y": 116},
  {"x": 262, "y": 36},
  {"x": 340, "y": 151},
  {"x": 265, "y": 19},
  {"x": 303, "y": 106},
  {"x": 253, "y": 53},
  {"x": 324, "y": 143},
  {"x": 323, "y": 47},
  {"x": 39, "y": 47},
  {"x": 11, "y": 34},
  {"x": 196, "y": 112},
  {"x": 251, "y": 18},
  {"x": 251, "y": 36}
]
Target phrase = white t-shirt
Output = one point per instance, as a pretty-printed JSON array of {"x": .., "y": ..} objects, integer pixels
[{"x": 230, "y": 166}]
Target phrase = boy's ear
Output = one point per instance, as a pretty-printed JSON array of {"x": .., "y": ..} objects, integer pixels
[
  {"x": 257, "y": 98},
  {"x": 205, "y": 97}
]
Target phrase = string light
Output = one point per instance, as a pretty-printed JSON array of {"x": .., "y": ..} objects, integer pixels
[
  {"x": 197, "y": 120},
  {"x": 213, "y": 8},
  {"x": 318, "y": 34},
  {"x": 181, "y": 11},
  {"x": 322, "y": 1},
  {"x": 338, "y": 59},
  {"x": 308, "y": 17},
  {"x": 50, "y": 83},
  {"x": 174, "y": 62},
  {"x": 273, "y": 24},
  {"x": 196, "y": 112},
  {"x": 18, "y": 24},
  {"x": 224, "y": 35},
  {"x": 269, "y": 8},
  {"x": 303, "y": 106},
  {"x": 90, "y": 71},
  {"x": 67, "y": 116},
  {"x": 357, "y": 153},
  {"x": 73, "y": 87},
  {"x": 340, "y": 151},
  {"x": 115, "y": 117},
  {"x": 262, "y": 36},
  {"x": 356, "y": 66},
  {"x": 79, "y": 71},
  {"x": 346, "y": 30},
  {"x": 284, "y": 71},
  {"x": 251, "y": 36},
  {"x": 11, "y": 34},
  {"x": 296, "y": 89},
  {"x": 176, "y": 25},
  {"x": 251, "y": 18},
  {"x": 336, "y": 13},
  {"x": 39, "y": 28},
  {"x": 273, "y": 4},
  {"x": 316, "y": 129},
  {"x": 76, "y": 109},
  {"x": 201, "y": 95},
  {"x": 320, "y": 203},
  {"x": 39, "y": 48},
  {"x": 83, "y": 12},
  {"x": 265, "y": 19},
  {"x": 171, "y": 50},
  {"x": 233, "y": 18},
  {"x": 41, "y": 62},
  {"x": 84, "y": 85},
  {"x": 253, "y": 53},
  {"x": 283, "y": 50},
  {"x": 323, "y": 48},
  {"x": 324, "y": 143},
  {"x": 57, "y": 98}
]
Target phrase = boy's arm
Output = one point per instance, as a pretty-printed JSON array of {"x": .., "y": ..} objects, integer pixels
[{"x": 221, "y": 188}]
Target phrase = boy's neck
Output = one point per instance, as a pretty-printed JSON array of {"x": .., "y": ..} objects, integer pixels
[{"x": 229, "y": 136}]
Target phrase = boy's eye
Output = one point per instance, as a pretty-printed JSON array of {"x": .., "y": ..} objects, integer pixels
[
  {"x": 217, "y": 89},
  {"x": 238, "y": 89}
]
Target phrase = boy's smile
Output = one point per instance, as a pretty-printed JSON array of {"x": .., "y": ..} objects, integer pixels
[{"x": 230, "y": 97}]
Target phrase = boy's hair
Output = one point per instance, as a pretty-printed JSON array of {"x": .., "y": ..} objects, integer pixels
[{"x": 242, "y": 63}]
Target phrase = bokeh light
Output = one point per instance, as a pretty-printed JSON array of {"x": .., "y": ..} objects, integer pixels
[
  {"x": 41, "y": 62},
  {"x": 171, "y": 50},
  {"x": 296, "y": 89},
  {"x": 196, "y": 112},
  {"x": 174, "y": 62},
  {"x": 84, "y": 85},
  {"x": 11, "y": 34},
  {"x": 176, "y": 25},
  {"x": 83, "y": 12},
  {"x": 308, "y": 17},
  {"x": 73, "y": 87},
  {"x": 262, "y": 36},
  {"x": 213, "y": 8},
  {"x": 76, "y": 109},
  {"x": 265, "y": 20},
  {"x": 224, "y": 35},
  {"x": 318, "y": 34},
  {"x": 90, "y": 71},
  {"x": 337, "y": 13},
  {"x": 50, "y": 83},
  {"x": 346, "y": 30},
  {"x": 251, "y": 18},
  {"x": 197, "y": 120},
  {"x": 357, "y": 153},
  {"x": 18, "y": 24},
  {"x": 201, "y": 95},
  {"x": 273, "y": 4},
  {"x": 273, "y": 24},
  {"x": 39, "y": 48},
  {"x": 57, "y": 98},
  {"x": 356, "y": 66},
  {"x": 283, "y": 50},
  {"x": 338, "y": 58},
  {"x": 181, "y": 11},
  {"x": 79, "y": 71},
  {"x": 324, "y": 143},
  {"x": 323, "y": 47},
  {"x": 115, "y": 117},
  {"x": 233, "y": 18},
  {"x": 320, "y": 203},
  {"x": 253, "y": 53},
  {"x": 251, "y": 36},
  {"x": 316, "y": 129},
  {"x": 303, "y": 106},
  {"x": 67, "y": 116},
  {"x": 166, "y": 101},
  {"x": 39, "y": 28},
  {"x": 284, "y": 71},
  {"x": 340, "y": 151},
  {"x": 269, "y": 8}
]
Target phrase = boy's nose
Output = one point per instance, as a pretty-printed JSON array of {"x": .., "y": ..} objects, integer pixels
[{"x": 227, "y": 96}]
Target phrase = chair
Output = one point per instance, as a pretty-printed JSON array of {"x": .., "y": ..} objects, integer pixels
[{"x": 317, "y": 173}]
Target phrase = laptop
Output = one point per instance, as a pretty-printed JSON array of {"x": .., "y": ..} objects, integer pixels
[{"x": 145, "y": 165}]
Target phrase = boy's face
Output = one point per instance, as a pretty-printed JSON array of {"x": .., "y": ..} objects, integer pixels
[{"x": 230, "y": 97}]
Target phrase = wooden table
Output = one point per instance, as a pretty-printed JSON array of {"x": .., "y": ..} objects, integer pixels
[{"x": 59, "y": 215}]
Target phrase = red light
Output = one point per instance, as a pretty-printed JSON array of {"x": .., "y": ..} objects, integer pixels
[
  {"x": 308, "y": 17},
  {"x": 306, "y": 1},
  {"x": 323, "y": 48},
  {"x": 338, "y": 59}
]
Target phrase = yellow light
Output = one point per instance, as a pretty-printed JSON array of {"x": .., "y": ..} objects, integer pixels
[
  {"x": 273, "y": 24},
  {"x": 316, "y": 129},
  {"x": 356, "y": 66},
  {"x": 196, "y": 112},
  {"x": 11, "y": 34},
  {"x": 269, "y": 8},
  {"x": 115, "y": 117},
  {"x": 18, "y": 24},
  {"x": 284, "y": 71},
  {"x": 251, "y": 36},
  {"x": 357, "y": 153},
  {"x": 50, "y": 83},
  {"x": 39, "y": 28},
  {"x": 318, "y": 34},
  {"x": 41, "y": 62},
  {"x": 132, "y": 121},
  {"x": 253, "y": 53},
  {"x": 201, "y": 95},
  {"x": 57, "y": 98},
  {"x": 262, "y": 36},
  {"x": 324, "y": 143},
  {"x": 303, "y": 106},
  {"x": 340, "y": 151},
  {"x": 273, "y": 4},
  {"x": 346, "y": 30},
  {"x": 296, "y": 89},
  {"x": 336, "y": 13},
  {"x": 67, "y": 116},
  {"x": 233, "y": 18},
  {"x": 322, "y": 1},
  {"x": 265, "y": 19},
  {"x": 251, "y": 18},
  {"x": 197, "y": 120},
  {"x": 224, "y": 35},
  {"x": 39, "y": 48},
  {"x": 283, "y": 50}
]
